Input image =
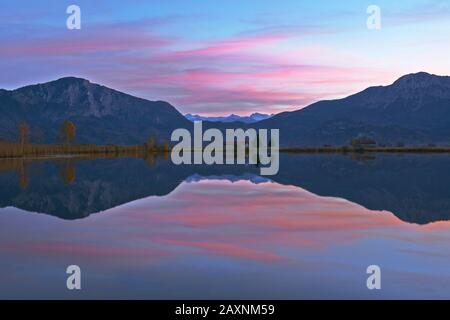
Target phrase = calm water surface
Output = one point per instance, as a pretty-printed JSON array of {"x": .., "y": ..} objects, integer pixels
[{"x": 147, "y": 229}]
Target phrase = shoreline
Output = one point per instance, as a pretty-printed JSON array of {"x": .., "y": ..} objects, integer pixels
[
  {"x": 84, "y": 151},
  {"x": 14, "y": 150},
  {"x": 352, "y": 150},
  {"x": 18, "y": 151}
]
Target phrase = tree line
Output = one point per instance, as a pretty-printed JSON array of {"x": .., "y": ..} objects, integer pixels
[{"x": 67, "y": 135}]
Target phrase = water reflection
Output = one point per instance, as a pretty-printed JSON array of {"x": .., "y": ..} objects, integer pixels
[
  {"x": 187, "y": 232},
  {"x": 212, "y": 238},
  {"x": 413, "y": 187}
]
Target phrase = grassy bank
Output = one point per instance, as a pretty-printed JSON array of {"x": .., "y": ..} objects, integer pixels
[
  {"x": 350, "y": 149},
  {"x": 17, "y": 150}
]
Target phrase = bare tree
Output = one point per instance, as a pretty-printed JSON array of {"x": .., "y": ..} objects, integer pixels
[
  {"x": 24, "y": 133},
  {"x": 151, "y": 144},
  {"x": 68, "y": 131}
]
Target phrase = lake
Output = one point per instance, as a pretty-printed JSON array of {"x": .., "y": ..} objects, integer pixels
[{"x": 148, "y": 229}]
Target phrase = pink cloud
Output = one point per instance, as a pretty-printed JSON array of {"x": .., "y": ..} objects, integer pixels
[
  {"x": 230, "y": 45},
  {"x": 239, "y": 74},
  {"x": 102, "y": 39}
]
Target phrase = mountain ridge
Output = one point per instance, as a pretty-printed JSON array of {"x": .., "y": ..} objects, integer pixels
[
  {"x": 254, "y": 117},
  {"x": 102, "y": 115},
  {"x": 414, "y": 109}
]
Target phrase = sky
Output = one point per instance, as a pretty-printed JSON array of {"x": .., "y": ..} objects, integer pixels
[{"x": 221, "y": 57}]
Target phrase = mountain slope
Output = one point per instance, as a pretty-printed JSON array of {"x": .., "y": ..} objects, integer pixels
[
  {"x": 415, "y": 109},
  {"x": 102, "y": 115}
]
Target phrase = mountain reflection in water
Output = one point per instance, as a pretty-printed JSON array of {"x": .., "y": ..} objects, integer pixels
[
  {"x": 148, "y": 229},
  {"x": 413, "y": 187}
]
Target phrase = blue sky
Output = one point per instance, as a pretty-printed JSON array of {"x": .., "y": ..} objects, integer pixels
[{"x": 220, "y": 57}]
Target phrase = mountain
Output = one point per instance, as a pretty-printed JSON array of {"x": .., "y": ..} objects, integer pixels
[
  {"x": 254, "y": 117},
  {"x": 414, "y": 110},
  {"x": 102, "y": 115}
]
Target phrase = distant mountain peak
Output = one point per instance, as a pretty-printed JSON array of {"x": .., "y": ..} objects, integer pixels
[
  {"x": 254, "y": 117},
  {"x": 258, "y": 114}
]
